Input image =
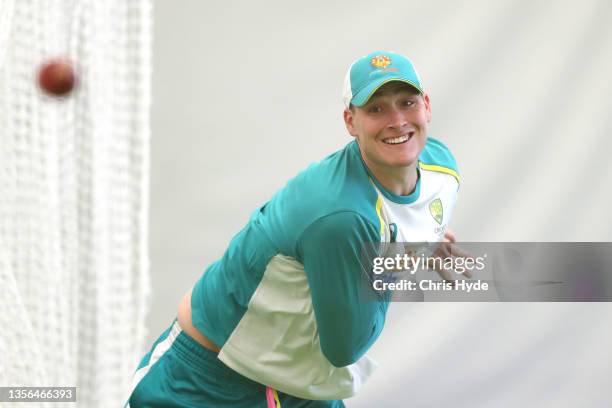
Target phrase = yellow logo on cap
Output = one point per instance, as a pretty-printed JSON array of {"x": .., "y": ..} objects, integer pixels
[{"x": 380, "y": 61}]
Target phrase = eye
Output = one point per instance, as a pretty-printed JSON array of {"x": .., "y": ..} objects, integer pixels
[
  {"x": 374, "y": 109},
  {"x": 408, "y": 103}
]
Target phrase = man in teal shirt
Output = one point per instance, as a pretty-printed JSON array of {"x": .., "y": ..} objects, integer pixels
[{"x": 280, "y": 319}]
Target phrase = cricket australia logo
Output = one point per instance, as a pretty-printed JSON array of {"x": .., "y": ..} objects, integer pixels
[
  {"x": 436, "y": 210},
  {"x": 380, "y": 61}
]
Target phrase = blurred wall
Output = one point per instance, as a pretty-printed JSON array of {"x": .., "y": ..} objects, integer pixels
[{"x": 246, "y": 94}]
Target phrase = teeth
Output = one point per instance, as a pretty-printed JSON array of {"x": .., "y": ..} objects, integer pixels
[{"x": 396, "y": 140}]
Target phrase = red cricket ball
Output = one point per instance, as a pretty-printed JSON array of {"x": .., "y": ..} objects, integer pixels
[{"x": 57, "y": 77}]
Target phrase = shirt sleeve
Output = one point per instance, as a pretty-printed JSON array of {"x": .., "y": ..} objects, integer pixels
[{"x": 349, "y": 320}]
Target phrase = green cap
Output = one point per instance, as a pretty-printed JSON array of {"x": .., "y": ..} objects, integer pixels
[{"x": 369, "y": 73}]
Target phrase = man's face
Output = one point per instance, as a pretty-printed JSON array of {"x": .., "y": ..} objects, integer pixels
[{"x": 392, "y": 127}]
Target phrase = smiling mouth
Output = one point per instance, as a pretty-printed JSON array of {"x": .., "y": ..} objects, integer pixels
[{"x": 399, "y": 139}]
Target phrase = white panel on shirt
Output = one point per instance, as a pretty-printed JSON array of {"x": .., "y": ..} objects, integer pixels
[{"x": 414, "y": 221}]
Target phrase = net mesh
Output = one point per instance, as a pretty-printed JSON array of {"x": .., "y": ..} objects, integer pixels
[{"x": 74, "y": 197}]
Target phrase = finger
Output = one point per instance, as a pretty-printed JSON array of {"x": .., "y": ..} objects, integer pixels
[
  {"x": 443, "y": 249},
  {"x": 444, "y": 273},
  {"x": 458, "y": 252},
  {"x": 449, "y": 236},
  {"x": 441, "y": 263},
  {"x": 468, "y": 274}
]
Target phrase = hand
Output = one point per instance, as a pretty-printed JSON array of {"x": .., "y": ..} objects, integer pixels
[{"x": 447, "y": 249}]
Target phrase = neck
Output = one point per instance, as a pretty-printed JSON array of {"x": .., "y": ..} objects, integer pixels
[{"x": 400, "y": 181}]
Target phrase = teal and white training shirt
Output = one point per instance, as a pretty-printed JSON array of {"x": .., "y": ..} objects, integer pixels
[{"x": 284, "y": 302}]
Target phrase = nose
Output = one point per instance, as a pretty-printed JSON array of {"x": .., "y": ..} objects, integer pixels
[{"x": 397, "y": 119}]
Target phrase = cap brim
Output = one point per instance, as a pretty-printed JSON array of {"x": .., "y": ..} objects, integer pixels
[{"x": 363, "y": 96}]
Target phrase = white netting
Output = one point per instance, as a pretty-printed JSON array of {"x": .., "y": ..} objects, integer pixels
[{"x": 74, "y": 197}]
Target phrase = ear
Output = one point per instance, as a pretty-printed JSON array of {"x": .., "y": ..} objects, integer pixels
[
  {"x": 427, "y": 107},
  {"x": 349, "y": 122}
]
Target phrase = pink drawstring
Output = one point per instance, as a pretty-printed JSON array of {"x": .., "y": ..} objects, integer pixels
[{"x": 272, "y": 398}]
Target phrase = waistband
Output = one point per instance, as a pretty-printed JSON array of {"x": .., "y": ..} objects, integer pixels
[{"x": 194, "y": 352}]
